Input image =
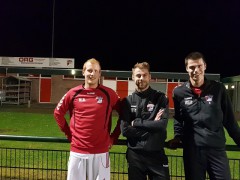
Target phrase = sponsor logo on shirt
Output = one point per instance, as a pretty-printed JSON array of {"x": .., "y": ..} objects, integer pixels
[
  {"x": 90, "y": 92},
  {"x": 188, "y": 101},
  {"x": 133, "y": 108},
  {"x": 82, "y": 100}
]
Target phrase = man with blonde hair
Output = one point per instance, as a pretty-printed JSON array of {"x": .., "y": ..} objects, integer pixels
[{"x": 90, "y": 106}]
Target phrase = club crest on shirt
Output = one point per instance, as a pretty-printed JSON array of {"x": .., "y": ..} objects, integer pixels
[
  {"x": 99, "y": 99},
  {"x": 209, "y": 98},
  {"x": 150, "y": 107},
  {"x": 188, "y": 101}
]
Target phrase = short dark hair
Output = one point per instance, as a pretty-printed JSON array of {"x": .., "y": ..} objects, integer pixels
[{"x": 194, "y": 56}]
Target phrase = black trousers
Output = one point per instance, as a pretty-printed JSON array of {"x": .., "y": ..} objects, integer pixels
[
  {"x": 201, "y": 160},
  {"x": 144, "y": 165}
]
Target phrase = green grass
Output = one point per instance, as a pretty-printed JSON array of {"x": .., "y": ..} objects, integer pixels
[
  {"x": 44, "y": 125},
  {"x": 30, "y": 124}
]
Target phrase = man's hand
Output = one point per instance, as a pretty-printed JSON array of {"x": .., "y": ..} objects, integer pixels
[
  {"x": 159, "y": 114},
  {"x": 111, "y": 142},
  {"x": 69, "y": 137}
]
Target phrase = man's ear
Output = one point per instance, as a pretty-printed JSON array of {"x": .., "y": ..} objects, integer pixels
[{"x": 132, "y": 77}]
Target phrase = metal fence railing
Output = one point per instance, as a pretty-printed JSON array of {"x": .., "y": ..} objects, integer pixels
[{"x": 42, "y": 164}]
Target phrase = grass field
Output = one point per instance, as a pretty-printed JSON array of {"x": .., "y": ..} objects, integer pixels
[
  {"x": 40, "y": 122},
  {"x": 22, "y": 121}
]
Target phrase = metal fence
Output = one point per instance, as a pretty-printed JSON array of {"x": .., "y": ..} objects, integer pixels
[{"x": 39, "y": 164}]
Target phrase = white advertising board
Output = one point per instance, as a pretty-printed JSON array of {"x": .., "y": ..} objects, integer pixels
[{"x": 37, "y": 62}]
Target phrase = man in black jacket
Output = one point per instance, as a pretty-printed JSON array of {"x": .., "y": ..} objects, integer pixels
[
  {"x": 202, "y": 110},
  {"x": 144, "y": 121}
]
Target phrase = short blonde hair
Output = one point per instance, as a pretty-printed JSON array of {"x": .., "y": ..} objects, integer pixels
[
  {"x": 142, "y": 65},
  {"x": 92, "y": 61}
]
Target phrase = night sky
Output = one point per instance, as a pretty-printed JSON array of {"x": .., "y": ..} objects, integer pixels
[{"x": 121, "y": 33}]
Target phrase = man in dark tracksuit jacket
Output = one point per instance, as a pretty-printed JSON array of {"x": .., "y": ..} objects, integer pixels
[
  {"x": 202, "y": 110},
  {"x": 144, "y": 120}
]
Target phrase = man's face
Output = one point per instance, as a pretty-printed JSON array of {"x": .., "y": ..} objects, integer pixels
[
  {"x": 92, "y": 74},
  {"x": 196, "y": 69},
  {"x": 141, "y": 78}
]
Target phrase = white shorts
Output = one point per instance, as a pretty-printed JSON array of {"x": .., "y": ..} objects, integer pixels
[{"x": 88, "y": 166}]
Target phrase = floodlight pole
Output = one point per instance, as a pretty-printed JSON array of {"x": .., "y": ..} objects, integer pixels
[{"x": 53, "y": 28}]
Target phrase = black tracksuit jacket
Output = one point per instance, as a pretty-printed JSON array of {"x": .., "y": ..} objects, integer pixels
[
  {"x": 142, "y": 107},
  {"x": 201, "y": 120}
]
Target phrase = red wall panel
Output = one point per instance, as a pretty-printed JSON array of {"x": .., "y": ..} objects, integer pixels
[
  {"x": 45, "y": 90},
  {"x": 122, "y": 88},
  {"x": 171, "y": 86}
]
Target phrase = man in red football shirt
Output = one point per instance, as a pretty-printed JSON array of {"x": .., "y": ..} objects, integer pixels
[{"x": 90, "y": 107}]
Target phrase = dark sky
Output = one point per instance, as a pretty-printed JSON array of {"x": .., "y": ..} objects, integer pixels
[{"x": 121, "y": 33}]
